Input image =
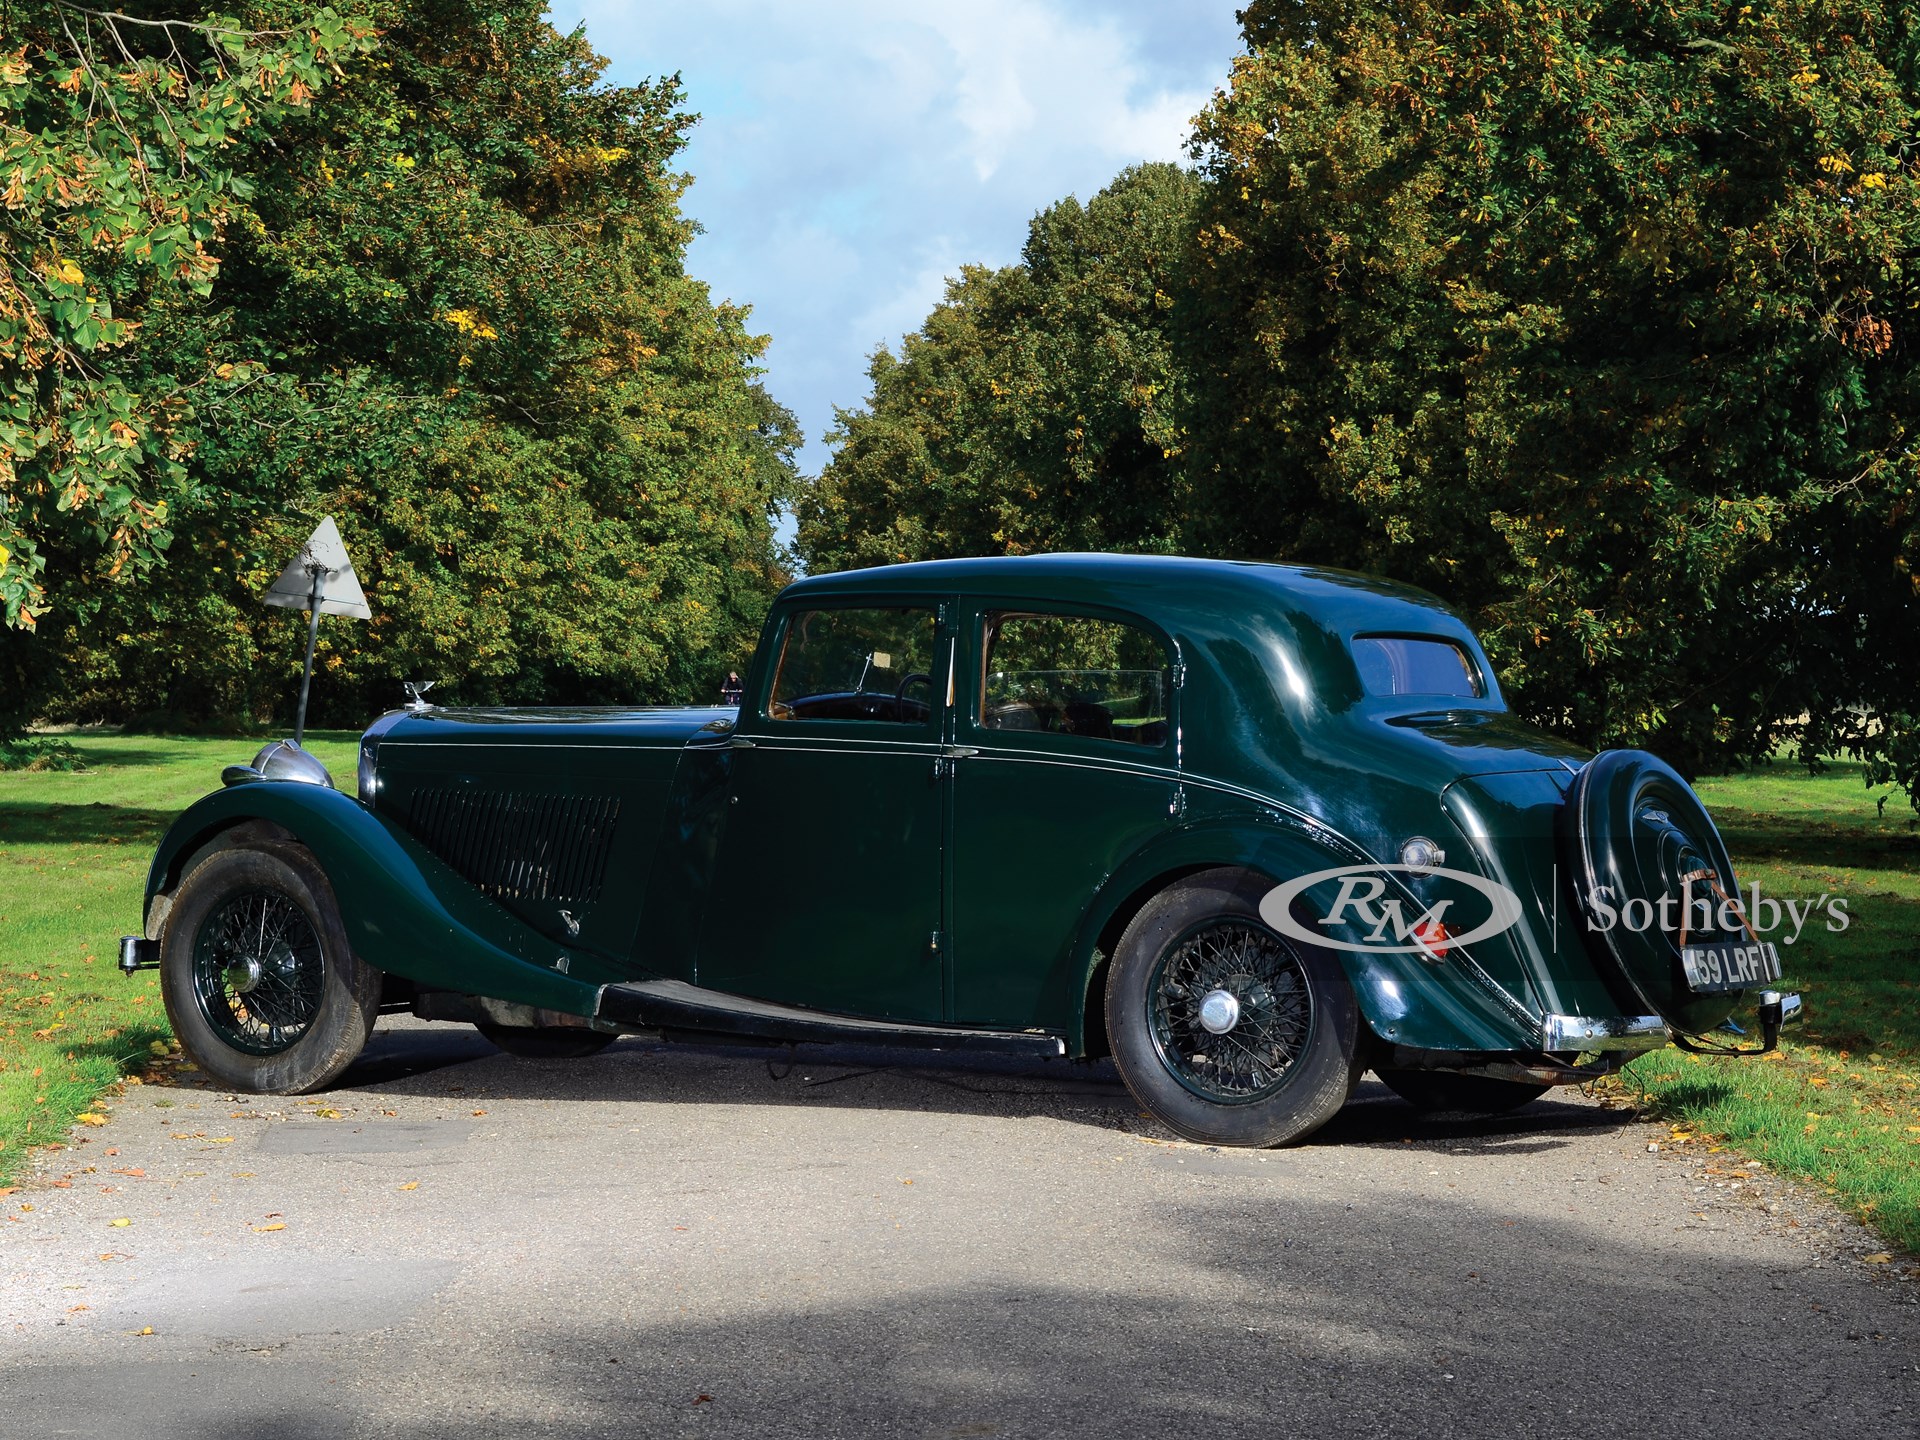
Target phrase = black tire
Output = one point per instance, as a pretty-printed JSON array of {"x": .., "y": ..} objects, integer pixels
[
  {"x": 261, "y": 985},
  {"x": 1441, "y": 1091},
  {"x": 1298, "y": 1064},
  {"x": 547, "y": 1042}
]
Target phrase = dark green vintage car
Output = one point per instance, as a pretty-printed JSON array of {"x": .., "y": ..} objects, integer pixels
[{"x": 1250, "y": 829}]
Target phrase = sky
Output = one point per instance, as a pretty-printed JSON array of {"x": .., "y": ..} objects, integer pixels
[{"x": 852, "y": 154}]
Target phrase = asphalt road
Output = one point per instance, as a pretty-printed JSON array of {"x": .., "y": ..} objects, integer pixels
[{"x": 673, "y": 1240}]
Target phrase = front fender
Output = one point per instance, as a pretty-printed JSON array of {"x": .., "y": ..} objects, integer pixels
[
  {"x": 406, "y": 911},
  {"x": 1406, "y": 1000}
]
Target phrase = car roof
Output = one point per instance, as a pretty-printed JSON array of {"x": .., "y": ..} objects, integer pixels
[{"x": 1166, "y": 588}]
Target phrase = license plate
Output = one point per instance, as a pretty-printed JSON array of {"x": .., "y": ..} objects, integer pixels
[{"x": 1730, "y": 967}]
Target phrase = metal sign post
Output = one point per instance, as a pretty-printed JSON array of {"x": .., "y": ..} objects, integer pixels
[{"x": 321, "y": 581}]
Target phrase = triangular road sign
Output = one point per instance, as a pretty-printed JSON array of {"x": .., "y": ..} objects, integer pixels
[{"x": 340, "y": 592}]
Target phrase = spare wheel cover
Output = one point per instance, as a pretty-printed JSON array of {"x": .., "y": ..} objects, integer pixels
[{"x": 1634, "y": 831}]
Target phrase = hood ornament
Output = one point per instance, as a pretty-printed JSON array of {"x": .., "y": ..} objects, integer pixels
[{"x": 416, "y": 689}]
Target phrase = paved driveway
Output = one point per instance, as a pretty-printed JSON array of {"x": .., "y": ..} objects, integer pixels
[{"x": 673, "y": 1240}]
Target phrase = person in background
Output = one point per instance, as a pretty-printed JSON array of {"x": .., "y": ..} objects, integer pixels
[{"x": 731, "y": 688}]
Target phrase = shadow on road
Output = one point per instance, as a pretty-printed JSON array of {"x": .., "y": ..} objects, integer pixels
[{"x": 455, "y": 1062}]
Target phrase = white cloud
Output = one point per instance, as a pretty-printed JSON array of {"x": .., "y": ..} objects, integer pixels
[{"x": 854, "y": 153}]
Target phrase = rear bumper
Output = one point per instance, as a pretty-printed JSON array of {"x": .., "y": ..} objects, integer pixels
[
  {"x": 1582, "y": 1033},
  {"x": 1636, "y": 1034}
]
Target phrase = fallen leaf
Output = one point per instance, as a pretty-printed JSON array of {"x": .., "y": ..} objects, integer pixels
[
  {"x": 122, "y": 1223},
  {"x": 1881, "y": 1258},
  {"x": 479, "y": 1112},
  {"x": 276, "y": 1225},
  {"x": 144, "y": 1330},
  {"x": 703, "y": 1399},
  {"x": 89, "y": 1118},
  {"x": 411, "y": 1185},
  {"x": 220, "y": 1139},
  {"x": 327, "y": 1114},
  {"x": 76, "y": 1309},
  {"x": 135, "y": 1173}
]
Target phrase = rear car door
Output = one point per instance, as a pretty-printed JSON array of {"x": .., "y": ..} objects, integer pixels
[{"x": 1064, "y": 765}]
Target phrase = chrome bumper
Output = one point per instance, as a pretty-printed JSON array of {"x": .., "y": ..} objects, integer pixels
[
  {"x": 1586, "y": 1035},
  {"x": 1583, "y": 1033}
]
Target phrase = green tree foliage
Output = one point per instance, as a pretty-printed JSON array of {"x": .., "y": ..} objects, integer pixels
[
  {"x": 458, "y": 304},
  {"x": 1037, "y": 408},
  {"x": 117, "y": 146},
  {"x": 1594, "y": 318}
]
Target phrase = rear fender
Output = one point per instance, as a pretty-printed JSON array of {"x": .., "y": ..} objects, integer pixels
[
  {"x": 1406, "y": 1000},
  {"x": 406, "y": 912}
]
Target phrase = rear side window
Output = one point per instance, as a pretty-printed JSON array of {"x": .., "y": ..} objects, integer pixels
[
  {"x": 1409, "y": 665},
  {"x": 1073, "y": 675}
]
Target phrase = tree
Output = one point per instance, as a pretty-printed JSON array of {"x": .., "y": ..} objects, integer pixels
[
  {"x": 1593, "y": 318},
  {"x": 117, "y": 138},
  {"x": 1037, "y": 409},
  {"x": 460, "y": 295}
]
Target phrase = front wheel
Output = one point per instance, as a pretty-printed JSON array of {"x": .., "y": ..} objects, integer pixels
[
  {"x": 260, "y": 983},
  {"x": 1227, "y": 1033}
]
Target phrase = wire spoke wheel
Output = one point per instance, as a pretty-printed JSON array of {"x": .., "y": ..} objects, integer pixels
[
  {"x": 1230, "y": 1011},
  {"x": 259, "y": 975}
]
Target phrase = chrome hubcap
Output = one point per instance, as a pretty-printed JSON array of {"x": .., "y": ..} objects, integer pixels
[
  {"x": 243, "y": 975},
  {"x": 1219, "y": 1012}
]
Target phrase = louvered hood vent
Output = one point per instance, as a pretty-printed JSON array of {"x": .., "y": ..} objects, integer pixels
[{"x": 511, "y": 845}]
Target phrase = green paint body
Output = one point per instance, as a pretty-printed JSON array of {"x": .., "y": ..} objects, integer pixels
[{"x": 946, "y": 872}]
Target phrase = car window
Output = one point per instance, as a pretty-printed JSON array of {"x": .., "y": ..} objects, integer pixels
[
  {"x": 1404, "y": 665},
  {"x": 1073, "y": 675},
  {"x": 856, "y": 664}
]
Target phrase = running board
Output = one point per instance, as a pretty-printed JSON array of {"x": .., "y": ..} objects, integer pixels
[{"x": 676, "y": 1005}]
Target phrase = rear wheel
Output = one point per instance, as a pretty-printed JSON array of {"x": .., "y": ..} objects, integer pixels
[
  {"x": 1226, "y": 1032},
  {"x": 261, "y": 985},
  {"x": 547, "y": 1042},
  {"x": 1443, "y": 1091}
]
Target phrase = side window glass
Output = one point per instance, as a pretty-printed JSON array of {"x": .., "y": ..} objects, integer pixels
[
  {"x": 873, "y": 665},
  {"x": 1070, "y": 675}
]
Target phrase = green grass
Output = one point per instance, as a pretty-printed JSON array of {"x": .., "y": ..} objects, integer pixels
[
  {"x": 1837, "y": 1105},
  {"x": 74, "y": 848}
]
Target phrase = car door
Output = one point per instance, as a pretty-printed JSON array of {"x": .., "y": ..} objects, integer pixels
[
  {"x": 828, "y": 881},
  {"x": 1065, "y": 764}
]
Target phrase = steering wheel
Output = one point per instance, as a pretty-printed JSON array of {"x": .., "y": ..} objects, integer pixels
[{"x": 911, "y": 678}]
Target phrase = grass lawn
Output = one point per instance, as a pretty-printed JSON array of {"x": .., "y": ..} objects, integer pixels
[
  {"x": 74, "y": 849},
  {"x": 1839, "y": 1105}
]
